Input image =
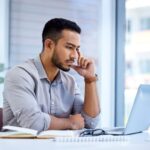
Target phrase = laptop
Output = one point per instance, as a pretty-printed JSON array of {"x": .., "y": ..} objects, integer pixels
[{"x": 139, "y": 118}]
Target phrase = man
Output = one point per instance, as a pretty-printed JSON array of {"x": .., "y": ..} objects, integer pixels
[{"x": 40, "y": 94}]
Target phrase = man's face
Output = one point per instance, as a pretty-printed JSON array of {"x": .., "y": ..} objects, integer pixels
[{"x": 66, "y": 50}]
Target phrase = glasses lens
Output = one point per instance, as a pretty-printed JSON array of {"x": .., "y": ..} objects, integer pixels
[
  {"x": 86, "y": 132},
  {"x": 98, "y": 132},
  {"x": 91, "y": 132}
]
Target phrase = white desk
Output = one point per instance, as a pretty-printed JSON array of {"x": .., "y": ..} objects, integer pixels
[{"x": 139, "y": 141}]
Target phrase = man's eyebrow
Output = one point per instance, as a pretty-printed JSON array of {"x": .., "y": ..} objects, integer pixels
[{"x": 72, "y": 45}]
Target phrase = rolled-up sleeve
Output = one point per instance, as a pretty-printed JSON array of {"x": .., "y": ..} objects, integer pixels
[
  {"x": 19, "y": 94},
  {"x": 90, "y": 122}
]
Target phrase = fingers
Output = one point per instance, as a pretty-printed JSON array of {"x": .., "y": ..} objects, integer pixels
[
  {"x": 79, "y": 54},
  {"x": 82, "y": 61}
]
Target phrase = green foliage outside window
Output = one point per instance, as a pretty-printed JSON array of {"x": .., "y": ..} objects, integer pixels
[{"x": 1, "y": 69}]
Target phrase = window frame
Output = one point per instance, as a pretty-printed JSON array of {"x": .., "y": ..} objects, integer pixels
[
  {"x": 108, "y": 64},
  {"x": 120, "y": 63}
]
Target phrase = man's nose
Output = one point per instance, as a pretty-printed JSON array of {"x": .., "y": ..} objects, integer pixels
[{"x": 74, "y": 54}]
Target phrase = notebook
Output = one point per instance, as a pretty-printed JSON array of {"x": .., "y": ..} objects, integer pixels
[
  {"x": 19, "y": 132},
  {"x": 139, "y": 118},
  {"x": 102, "y": 138}
]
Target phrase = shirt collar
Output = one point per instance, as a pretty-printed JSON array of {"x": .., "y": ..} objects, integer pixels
[
  {"x": 42, "y": 73},
  {"x": 40, "y": 68}
]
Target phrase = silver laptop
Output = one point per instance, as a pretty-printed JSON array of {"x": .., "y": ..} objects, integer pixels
[{"x": 139, "y": 118}]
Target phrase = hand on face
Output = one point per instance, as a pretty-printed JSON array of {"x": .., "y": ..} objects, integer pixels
[{"x": 85, "y": 66}]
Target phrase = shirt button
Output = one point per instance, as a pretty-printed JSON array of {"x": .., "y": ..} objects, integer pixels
[{"x": 52, "y": 102}]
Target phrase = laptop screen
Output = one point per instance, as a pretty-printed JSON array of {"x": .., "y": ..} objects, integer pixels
[{"x": 139, "y": 119}]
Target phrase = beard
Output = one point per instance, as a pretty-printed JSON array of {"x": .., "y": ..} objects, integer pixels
[{"x": 58, "y": 64}]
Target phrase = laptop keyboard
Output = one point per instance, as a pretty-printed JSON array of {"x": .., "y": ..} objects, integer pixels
[{"x": 116, "y": 130}]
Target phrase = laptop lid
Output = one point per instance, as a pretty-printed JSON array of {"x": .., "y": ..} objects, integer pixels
[{"x": 139, "y": 119}]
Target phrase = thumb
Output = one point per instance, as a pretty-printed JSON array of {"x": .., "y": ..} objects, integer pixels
[{"x": 79, "y": 70}]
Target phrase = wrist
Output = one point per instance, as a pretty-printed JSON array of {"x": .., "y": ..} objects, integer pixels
[
  {"x": 91, "y": 79},
  {"x": 68, "y": 124},
  {"x": 72, "y": 124}
]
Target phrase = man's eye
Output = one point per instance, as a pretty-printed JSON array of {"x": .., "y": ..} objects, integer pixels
[{"x": 68, "y": 47}]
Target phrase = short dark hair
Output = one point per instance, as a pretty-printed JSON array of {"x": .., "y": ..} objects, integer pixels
[{"x": 54, "y": 27}]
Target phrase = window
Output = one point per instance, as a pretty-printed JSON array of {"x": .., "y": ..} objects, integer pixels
[
  {"x": 4, "y": 13},
  {"x": 137, "y": 51},
  {"x": 145, "y": 24},
  {"x": 144, "y": 66},
  {"x": 128, "y": 26}
]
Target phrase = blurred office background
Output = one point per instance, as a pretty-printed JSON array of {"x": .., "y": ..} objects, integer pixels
[{"x": 116, "y": 33}]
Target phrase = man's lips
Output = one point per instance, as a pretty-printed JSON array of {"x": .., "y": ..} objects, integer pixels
[{"x": 70, "y": 62}]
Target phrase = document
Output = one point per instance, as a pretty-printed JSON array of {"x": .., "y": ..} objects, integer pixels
[{"x": 19, "y": 132}]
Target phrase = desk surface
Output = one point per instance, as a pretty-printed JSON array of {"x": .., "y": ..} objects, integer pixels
[{"x": 135, "y": 142}]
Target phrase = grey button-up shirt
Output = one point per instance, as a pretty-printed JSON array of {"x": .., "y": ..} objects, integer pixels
[{"x": 30, "y": 98}]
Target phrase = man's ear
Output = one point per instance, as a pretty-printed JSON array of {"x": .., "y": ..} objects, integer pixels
[{"x": 49, "y": 44}]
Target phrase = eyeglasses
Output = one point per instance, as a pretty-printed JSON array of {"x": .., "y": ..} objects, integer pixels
[{"x": 93, "y": 132}]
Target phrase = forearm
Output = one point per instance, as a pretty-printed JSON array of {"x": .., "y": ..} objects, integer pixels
[
  {"x": 73, "y": 122},
  {"x": 59, "y": 123},
  {"x": 91, "y": 102}
]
